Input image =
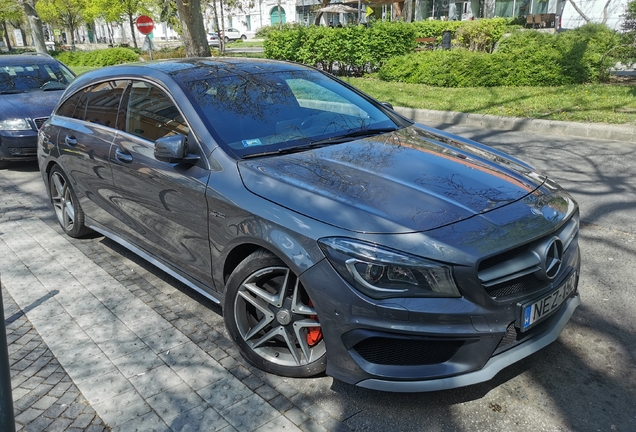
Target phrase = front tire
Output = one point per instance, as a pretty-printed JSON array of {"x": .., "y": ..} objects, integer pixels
[
  {"x": 270, "y": 316},
  {"x": 67, "y": 208}
]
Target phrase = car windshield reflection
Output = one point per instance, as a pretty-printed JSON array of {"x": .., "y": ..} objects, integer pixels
[
  {"x": 29, "y": 77},
  {"x": 263, "y": 113}
]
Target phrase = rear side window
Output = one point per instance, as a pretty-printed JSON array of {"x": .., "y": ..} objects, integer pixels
[
  {"x": 75, "y": 106},
  {"x": 103, "y": 103},
  {"x": 151, "y": 114}
]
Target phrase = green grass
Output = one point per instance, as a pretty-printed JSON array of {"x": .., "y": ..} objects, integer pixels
[
  {"x": 246, "y": 44},
  {"x": 605, "y": 103},
  {"x": 81, "y": 69}
]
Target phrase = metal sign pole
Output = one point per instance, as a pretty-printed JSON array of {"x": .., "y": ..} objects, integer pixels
[{"x": 7, "y": 419}]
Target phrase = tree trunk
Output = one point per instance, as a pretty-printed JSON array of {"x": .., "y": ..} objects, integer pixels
[
  {"x": 576, "y": 8},
  {"x": 191, "y": 18},
  {"x": 407, "y": 11},
  {"x": 605, "y": 11},
  {"x": 397, "y": 11},
  {"x": 280, "y": 18},
  {"x": 6, "y": 35},
  {"x": 36, "y": 26},
  {"x": 317, "y": 20},
  {"x": 218, "y": 28},
  {"x": 132, "y": 29}
]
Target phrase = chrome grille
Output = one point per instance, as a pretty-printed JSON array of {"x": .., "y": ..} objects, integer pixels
[
  {"x": 39, "y": 122},
  {"x": 516, "y": 270}
]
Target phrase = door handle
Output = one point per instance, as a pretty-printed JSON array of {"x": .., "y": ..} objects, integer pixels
[
  {"x": 70, "y": 141},
  {"x": 123, "y": 156}
]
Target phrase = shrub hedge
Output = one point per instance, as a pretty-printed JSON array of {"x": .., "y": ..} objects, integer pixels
[
  {"x": 103, "y": 57},
  {"x": 351, "y": 49},
  {"x": 525, "y": 58}
]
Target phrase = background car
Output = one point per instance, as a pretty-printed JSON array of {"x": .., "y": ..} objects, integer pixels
[
  {"x": 338, "y": 235},
  {"x": 213, "y": 39},
  {"x": 232, "y": 34},
  {"x": 30, "y": 87}
]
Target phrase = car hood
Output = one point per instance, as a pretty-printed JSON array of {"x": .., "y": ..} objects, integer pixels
[
  {"x": 29, "y": 105},
  {"x": 409, "y": 180}
]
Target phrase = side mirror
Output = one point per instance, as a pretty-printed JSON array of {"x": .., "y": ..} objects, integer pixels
[
  {"x": 387, "y": 105},
  {"x": 174, "y": 149}
]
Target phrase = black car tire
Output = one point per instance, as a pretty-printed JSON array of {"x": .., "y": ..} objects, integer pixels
[
  {"x": 227, "y": 39},
  {"x": 244, "y": 37},
  {"x": 271, "y": 318},
  {"x": 67, "y": 208}
]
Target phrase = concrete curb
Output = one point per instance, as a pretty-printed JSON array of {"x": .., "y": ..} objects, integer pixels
[{"x": 606, "y": 131}]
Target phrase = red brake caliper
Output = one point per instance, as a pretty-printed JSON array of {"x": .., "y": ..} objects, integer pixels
[{"x": 314, "y": 334}]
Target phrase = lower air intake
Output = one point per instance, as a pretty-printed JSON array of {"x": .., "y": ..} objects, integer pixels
[{"x": 406, "y": 352}]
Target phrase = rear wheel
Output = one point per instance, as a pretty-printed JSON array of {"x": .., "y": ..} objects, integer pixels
[
  {"x": 271, "y": 318},
  {"x": 67, "y": 209}
]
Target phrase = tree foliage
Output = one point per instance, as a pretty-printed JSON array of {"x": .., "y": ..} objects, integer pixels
[{"x": 66, "y": 13}]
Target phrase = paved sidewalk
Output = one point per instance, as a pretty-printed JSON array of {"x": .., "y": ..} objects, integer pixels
[{"x": 116, "y": 332}]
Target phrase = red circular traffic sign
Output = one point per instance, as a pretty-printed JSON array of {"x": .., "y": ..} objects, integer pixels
[{"x": 145, "y": 24}]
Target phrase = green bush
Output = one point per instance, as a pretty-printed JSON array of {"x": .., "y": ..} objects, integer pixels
[
  {"x": 353, "y": 49},
  {"x": 525, "y": 58},
  {"x": 104, "y": 57},
  {"x": 481, "y": 35}
]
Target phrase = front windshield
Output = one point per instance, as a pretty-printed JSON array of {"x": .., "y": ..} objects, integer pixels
[
  {"x": 261, "y": 113},
  {"x": 26, "y": 76}
]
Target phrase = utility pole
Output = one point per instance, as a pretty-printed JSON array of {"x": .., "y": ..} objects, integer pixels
[{"x": 7, "y": 419}]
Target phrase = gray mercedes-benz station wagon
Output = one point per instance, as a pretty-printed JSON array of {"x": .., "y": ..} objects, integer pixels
[{"x": 336, "y": 234}]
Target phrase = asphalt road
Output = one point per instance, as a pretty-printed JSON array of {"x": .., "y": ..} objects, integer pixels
[{"x": 585, "y": 381}]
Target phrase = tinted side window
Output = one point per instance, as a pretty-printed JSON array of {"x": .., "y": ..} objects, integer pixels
[
  {"x": 151, "y": 113},
  {"x": 75, "y": 106},
  {"x": 103, "y": 102}
]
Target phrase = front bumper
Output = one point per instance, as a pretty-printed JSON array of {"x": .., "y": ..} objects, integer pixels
[
  {"x": 494, "y": 365},
  {"x": 414, "y": 345},
  {"x": 18, "y": 145}
]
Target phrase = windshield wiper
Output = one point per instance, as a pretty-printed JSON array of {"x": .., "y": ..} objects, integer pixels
[
  {"x": 325, "y": 142},
  {"x": 288, "y": 150},
  {"x": 12, "y": 91},
  {"x": 353, "y": 135}
]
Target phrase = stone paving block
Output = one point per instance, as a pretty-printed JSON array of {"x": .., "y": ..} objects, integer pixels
[
  {"x": 83, "y": 369},
  {"x": 124, "y": 408},
  {"x": 297, "y": 416},
  {"x": 200, "y": 419},
  {"x": 74, "y": 410},
  {"x": 150, "y": 422},
  {"x": 155, "y": 381},
  {"x": 83, "y": 420},
  {"x": 28, "y": 415},
  {"x": 60, "y": 388},
  {"x": 250, "y": 413},
  {"x": 281, "y": 403},
  {"x": 174, "y": 401},
  {"x": 105, "y": 387},
  {"x": 279, "y": 424},
  {"x": 286, "y": 389},
  {"x": 225, "y": 392},
  {"x": 312, "y": 426},
  {"x": 38, "y": 425},
  {"x": 266, "y": 392},
  {"x": 137, "y": 362},
  {"x": 200, "y": 376},
  {"x": 59, "y": 425},
  {"x": 165, "y": 340},
  {"x": 44, "y": 402},
  {"x": 150, "y": 323},
  {"x": 122, "y": 346},
  {"x": 184, "y": 355},
  {"x": 252, "y": 382}
]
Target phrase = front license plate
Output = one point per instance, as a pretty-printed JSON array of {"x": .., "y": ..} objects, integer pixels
[{"x": 532, "y": 313}]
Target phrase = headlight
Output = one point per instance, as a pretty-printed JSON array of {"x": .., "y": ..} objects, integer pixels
[
  {"x": 383, "y": 273},
  {"x": 15, "y": 124}
]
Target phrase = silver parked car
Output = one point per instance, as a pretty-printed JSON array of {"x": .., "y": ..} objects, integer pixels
[{"x": 337, "y": 235}]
